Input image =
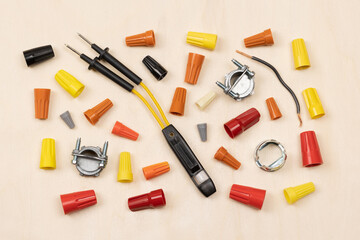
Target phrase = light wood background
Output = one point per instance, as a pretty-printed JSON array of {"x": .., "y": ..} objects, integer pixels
[{"x": 30, "y": 206}]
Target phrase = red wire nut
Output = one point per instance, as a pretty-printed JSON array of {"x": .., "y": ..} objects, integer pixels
[
  {"x": 242, "y": 122},
  {"x": 248, "y": 195},
  {"x": 152, "y": 199}
]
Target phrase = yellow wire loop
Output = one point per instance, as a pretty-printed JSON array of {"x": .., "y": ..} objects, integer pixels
[
  {"x": 156, "y": 103},
  {"x": 149, "y": 107}
]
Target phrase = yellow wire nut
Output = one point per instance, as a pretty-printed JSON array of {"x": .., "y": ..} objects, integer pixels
[
  {"x": 156, "y": 103},
  {"x": 149, "y": 107},
  {"x": 48, "y": 158}
]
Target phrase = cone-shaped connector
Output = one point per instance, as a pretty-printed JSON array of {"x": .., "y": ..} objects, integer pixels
[
  {"x": 203, "y": 102},
  {"x": 261, "y": 39},
  {"x": 153, "y": 199},
  {"x": 223, "y": 156},
  {"x": 292, "y": 194},
  {"x": 39, "y": 54},
  {"x": 143, "y": 39},
  {"x": 66, "y": 117},
  {"x": 78, "y": 200},
  {"x": 273, "y": 108},
  {"x": 125, "y": 173},
  {"x": 301, "y": 58},
  {"x": 178, "y": 102},
  {"x": 94, "y": 114},
  {"x": 242, "y": 122},
  {"x": 313, "y": 103},
  {"x": 69, "y": 83},
  {"x": 202, "y": 127},
  {"x": 158, "y": 71},
  {"x": 193, "y": 67},
  {"x": 121, "y": 130},
  {"x": 248, "y": 195},
  {"x": 48, "y": 157},
  {"x": 204, "y": 40},
  {"x": 156, "y": 170},
  {"x": 42, "y": 100},
  {"x": 310, "y": 150}
]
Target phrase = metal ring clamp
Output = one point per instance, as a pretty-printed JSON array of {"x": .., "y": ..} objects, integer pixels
[{"x": 279, "y": 163}]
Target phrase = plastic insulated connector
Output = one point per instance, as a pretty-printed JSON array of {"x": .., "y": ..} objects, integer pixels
[
  {"x": 178, "y": 102},
  {"x": 310, "y": 150},
  {"x": 94, "y": 114},
  {"x": 155, "y": 68},
  {"x": 153, "y": 199},
  {"x": 42, "y": 101},
  {"x": 39, "y": 54},
  {"x": 242, "y": 122},
  {"x": 78, "y": 200},
  {"x": 248, "y": 195}
]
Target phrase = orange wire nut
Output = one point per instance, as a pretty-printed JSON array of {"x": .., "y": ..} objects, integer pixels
[
  {"x": 261, "y": 39},
  {"x": 121, "y": 130},
  {"x": 42, "y": 98},
  {"x": 178, "y": 102},
  {"x": 273, "y": 109},
  {"x": 193, "y": 68},
  {"x": 223, "y": 156},
  {"x": 156, "y": 170},
  {"x": 143, "y": 39}
]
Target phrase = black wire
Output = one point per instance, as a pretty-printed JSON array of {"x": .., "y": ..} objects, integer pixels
[{"x": 281, "y": 81}]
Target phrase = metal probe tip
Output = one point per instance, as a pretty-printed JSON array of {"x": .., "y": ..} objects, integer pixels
[
  {"x": 72, "y": 49},
  {"x": 84, "y": 38}
]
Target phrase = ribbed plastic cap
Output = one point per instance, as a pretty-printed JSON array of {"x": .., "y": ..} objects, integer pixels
[
  {"x": 121, "y": 130},
  {"x": 313, "y": 103},
  {"x": 42, "y": 100},
  {"x": 301, "y": 58},
  {"x": 248, "y": 195},
  {"x": 204, "y": 40},
  {"x": 69, "y": 83},
  {"x": 193, "y": 67},
  {"x": 158, "y": 71},
  {"x": 202, "y": 128},
  {"x": 273, "y": 108},
  {"x": 292, "y": 194},
  {"x": 143, "y": 39},
  {"x": 48, "y": 157},
  {"x": 94, "y": 114},
  {"x": 242, "y": 122},
  {"x": 154, "y": 199},
  {"x": 66, "y": 117},
  {"x": 223, "y": 156},
  {"x": 261, "y": 39},
  {"x": 125, "y": 173},
  {"x": 78, "y": 200},
  {"x": 310, "y": 150},
  {"x": 156, "y": 170},
  {"x": 39, "y": 54},
  {"x": 178, "y": 102}
]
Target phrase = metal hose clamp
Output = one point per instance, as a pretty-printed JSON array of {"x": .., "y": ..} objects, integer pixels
[{"x": 279, "y": 163}]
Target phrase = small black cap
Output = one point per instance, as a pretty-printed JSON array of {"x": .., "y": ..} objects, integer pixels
[
  {"x": 38, "y": 54},
  {"x": 158, "y": 71}
]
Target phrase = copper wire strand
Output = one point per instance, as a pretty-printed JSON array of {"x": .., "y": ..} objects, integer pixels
[{"x": 280, "y": 79}]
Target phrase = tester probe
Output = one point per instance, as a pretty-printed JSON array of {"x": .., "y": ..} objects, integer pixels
[{"x": 177, "y": 143}]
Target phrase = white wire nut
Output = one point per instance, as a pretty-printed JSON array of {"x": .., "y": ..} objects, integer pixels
[{"x": 203, "y": 102}]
